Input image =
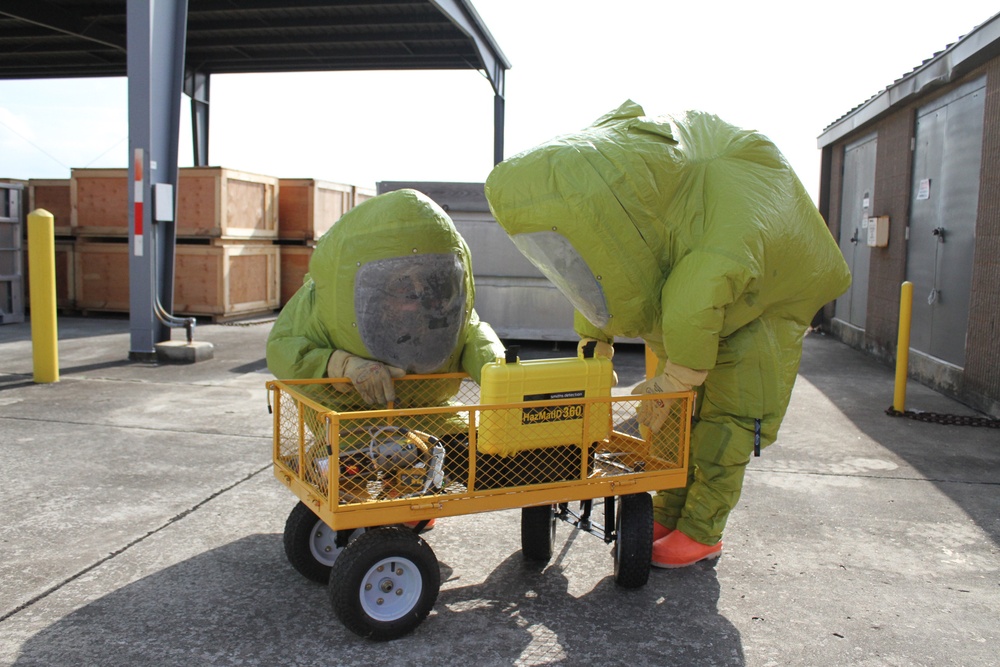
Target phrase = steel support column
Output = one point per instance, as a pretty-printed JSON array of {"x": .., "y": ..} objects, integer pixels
[
  {"x": 498, "y": 120},
  {"x": 156, "y": 38},
  {"x": 494, "y": 63},
  {"x": 196, "y": 86}
]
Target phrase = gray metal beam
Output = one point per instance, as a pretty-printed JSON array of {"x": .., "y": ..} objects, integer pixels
[
  {"x": 499, "y": 104},
  {"x": 493, "y": 61},
  {"x": 156, "y": 33},
  {"x": 196, "y": 86}
]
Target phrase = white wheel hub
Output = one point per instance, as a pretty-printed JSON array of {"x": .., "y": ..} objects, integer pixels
[
  {"x": 390, "y": 589},
  {"x": 323, "y": 543}
]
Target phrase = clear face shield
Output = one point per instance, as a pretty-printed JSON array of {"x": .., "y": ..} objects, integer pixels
[
  {"x": 559, "y": 261},
  {"x": 410, "y": 309}
]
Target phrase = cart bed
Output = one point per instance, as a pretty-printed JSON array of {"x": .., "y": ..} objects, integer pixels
[{"x": 318, "y": 421}]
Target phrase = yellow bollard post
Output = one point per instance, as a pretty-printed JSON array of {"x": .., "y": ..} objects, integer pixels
[
  {"x": 903, "y": 346},
  {"x": 42, "y": 276}
]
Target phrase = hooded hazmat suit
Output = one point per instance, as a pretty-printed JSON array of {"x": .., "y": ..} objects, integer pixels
[
  {"x": 696, "y": 236},
  {"x": 390, "y": 281}
]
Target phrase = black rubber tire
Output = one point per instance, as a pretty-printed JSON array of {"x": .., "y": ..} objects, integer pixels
[
  {"x": 300, "y": 529},
  {"x": 410, "y": 580},
  {"x": 633, "y": 550},
  {"x": 538, "y": 532}
]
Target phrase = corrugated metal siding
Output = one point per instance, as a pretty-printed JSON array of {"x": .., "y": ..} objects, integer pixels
[
  {"x": 87, "y": 37},
  {"x": 982, "y": 367}
]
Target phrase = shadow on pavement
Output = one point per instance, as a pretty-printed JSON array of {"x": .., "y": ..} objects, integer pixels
[
  {"x": 87, "y": 368},
  {"x": 243, "y": 604},
  {"x": 251, "y": 367},
  {"x": 530, "y": 618},
  {"x": 963, "y": 462}
]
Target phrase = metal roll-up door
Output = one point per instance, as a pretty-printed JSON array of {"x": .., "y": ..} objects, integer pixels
[{"x": 943, "y": 209}]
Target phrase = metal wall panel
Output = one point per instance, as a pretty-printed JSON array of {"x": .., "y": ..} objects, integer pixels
[
  {"x": 11, "y": 266},
  {"x": 857, "y": 205},
  {"x": 524, "y": 308},
  {"x": 944, "y": 205},
  {"x": 511, "y": 294},
  {"x": 493, "y": 253}
]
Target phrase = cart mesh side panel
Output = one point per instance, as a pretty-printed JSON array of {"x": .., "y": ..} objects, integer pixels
[{"x": 428, "y": 444}]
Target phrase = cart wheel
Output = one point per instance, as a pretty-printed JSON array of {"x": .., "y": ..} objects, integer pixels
[
  {"x": 634, "y": 546},
  {"x": 538, "y": 532},
  {"x": 385, "y": 583},
  {"x": 311, "y": 546}
]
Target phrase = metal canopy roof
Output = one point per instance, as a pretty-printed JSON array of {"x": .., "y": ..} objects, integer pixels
[
  {"x": 77, "y": 38},
  {"x": 87, "y": 38}
]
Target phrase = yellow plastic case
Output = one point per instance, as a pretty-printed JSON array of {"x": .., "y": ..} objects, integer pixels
[{"x": 582, "y": 419}]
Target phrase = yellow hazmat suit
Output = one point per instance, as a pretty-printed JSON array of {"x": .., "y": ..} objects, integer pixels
[
  {"x": 391, "y": 281},
  {"x": 696, "y": 236}
]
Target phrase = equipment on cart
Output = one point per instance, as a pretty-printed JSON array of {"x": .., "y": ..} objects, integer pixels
[{"x": 405, "y": 461}]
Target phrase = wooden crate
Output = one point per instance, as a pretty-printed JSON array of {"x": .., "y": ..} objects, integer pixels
[
  {"x": 54, "y": 196},
  {"x": 99, "y": 201},
  {"x": 100, "y": 276},
  {"x": 227, "y": 279},
  {"x": 217, "y": 202},
  {"x": 294, "y": 267},
  {"x": 362, "y": 194},
  {"x": 212, "y": 202},
  {"x": 307, "y": 207},
  {"x": 223, "y": 280},
  {"x": 65, "y": 278}
]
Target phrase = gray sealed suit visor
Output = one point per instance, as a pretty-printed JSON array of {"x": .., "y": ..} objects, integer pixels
[
  {"x": 559, "y": 261},
  {"x": 410, "y": 309}
]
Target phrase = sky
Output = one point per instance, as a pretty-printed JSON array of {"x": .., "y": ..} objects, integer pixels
[{"x": 785, "y": 68}]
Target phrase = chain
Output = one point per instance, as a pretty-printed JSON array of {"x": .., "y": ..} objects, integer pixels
[{"x": 948, "y": 420}]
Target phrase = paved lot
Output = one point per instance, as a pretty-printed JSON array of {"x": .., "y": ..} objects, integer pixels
[{"x": 140, "y": 524}]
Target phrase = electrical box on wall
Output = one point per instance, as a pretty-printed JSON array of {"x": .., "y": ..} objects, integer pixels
[
  {"x": 163, "y": 202},
  {"x": 878, "y": 232}
]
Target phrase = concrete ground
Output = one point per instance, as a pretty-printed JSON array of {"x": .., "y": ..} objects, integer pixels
[{"x": 140, "y": 524}]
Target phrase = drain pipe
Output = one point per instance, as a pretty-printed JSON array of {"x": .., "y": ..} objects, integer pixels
[{"x": 173, "y": 321}]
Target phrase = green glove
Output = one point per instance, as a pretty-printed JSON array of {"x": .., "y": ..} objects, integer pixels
[
  {"x": 372, "y": 379},
  {"x": 675, "y": 378}
]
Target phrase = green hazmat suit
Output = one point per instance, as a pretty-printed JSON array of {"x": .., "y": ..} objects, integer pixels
[
  {"x": 697, "y": 237},
  {"x": 402, "y": 242}
]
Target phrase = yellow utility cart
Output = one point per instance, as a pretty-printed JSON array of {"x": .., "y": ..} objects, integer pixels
[{"x": 539, "y": 435}]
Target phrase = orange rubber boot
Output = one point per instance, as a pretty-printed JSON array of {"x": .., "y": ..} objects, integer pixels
[
  {"x": 659, "y": 530},
  {"x": 413, "y": 524},
  {"x": 679, "y": 550}
]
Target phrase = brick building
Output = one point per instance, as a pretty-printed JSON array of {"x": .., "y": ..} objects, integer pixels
[{"x": 910, "y": 186}]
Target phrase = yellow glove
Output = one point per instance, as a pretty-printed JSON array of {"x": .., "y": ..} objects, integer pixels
[
  {"x": 601, "y": 349},
  {"x": 654, "y": 413},
  {"x": 372, "y": 379}
]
